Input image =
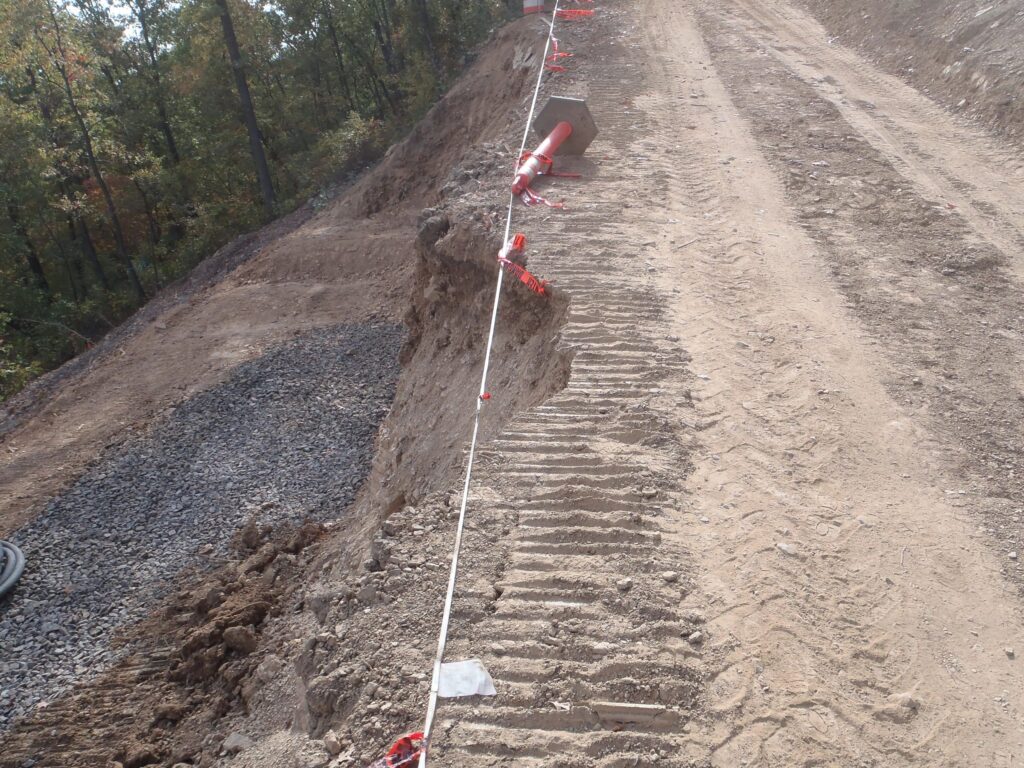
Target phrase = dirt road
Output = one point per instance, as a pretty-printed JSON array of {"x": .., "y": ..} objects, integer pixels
[{"x": 828, "y": 474}]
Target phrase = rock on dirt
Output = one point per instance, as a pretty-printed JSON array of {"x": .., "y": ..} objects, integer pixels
[
  {"x": 898, "y": 708},
  {"x": 269, "y": 668},
  {"x": 241, "y": 639},
  {"x": 235, "y": 743},
  {"x": 289, "y": 436},
  {"x": 332, "y": 743}
]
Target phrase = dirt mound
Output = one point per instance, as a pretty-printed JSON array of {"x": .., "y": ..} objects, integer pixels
[
  {"x": 193, "y": 661},
  {"x": 966, "y": 54}
]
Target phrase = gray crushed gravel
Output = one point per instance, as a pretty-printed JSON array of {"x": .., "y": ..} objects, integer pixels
[{"x": 288, "y": 437}]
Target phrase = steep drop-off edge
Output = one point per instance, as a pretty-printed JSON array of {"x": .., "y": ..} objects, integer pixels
[
  {"x": 239, "y": 645},
  {"x": 349, "y": 262}
]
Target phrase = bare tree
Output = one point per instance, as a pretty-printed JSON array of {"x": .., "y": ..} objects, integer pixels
[{"x": 259, "y": 158}]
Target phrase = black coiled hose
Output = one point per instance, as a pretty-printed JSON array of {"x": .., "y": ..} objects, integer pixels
[{"x": 12, "y": 563}]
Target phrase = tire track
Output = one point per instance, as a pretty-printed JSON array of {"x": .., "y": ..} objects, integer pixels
[
  {"x": 854, "y": 621},
  {"x": 945, "y": 158},
  {"x": 585, "y": 638}
]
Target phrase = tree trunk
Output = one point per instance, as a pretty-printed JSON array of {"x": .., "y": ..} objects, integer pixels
[
  {"x": 60, "y": 61},
  {"x": 375, "y": 80},
  {"x": 108, "y": 197},
  {"x": 154, "y": 225},
  {"x": 387, "y": 50},
  {"x": 318, "y": 100},
  {"x": 111, "y": 81},
  {"x": 31, "y": 257},
  {"x": 248, "y": 112},
  {"x": 428, "y": 38},
  {"x": 339, "y": 57},
  {"x": 165, "y": 129},
  {"x": 76, "y": 276},
  {"x": 140, "y": 9},
  {"x": 78, "y": 230},
  {"x": 385, "y": 37}
]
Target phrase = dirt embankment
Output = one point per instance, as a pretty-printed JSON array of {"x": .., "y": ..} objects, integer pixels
[
  {"x": 966, "y": 55},
  {"x": 350, "y": 261},
  {"x": 248, "y": 644}
]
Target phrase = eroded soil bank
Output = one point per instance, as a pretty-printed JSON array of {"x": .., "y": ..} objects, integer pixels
[
  {"x": 281, "y": 443},
  {"x": 967, "y": 55}
]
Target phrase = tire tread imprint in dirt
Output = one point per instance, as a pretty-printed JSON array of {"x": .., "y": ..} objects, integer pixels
[
  {"x": 576, "y": 608},
  {"x": 855, "y": 623}
]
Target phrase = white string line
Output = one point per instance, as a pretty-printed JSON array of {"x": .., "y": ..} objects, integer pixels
[{"x": 442, "y": 638}]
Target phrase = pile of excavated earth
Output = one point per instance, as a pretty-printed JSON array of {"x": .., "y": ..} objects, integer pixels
[{"x": 749, "y": 490}]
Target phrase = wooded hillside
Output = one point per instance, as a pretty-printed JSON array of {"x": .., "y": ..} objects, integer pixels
[{"x": 137, "y": 136}]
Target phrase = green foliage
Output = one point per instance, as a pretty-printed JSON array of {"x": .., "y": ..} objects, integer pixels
[
  {"x": 15, "y": 370},
  {"x": 17, "y": 365},
  {"x": 347, "y": 148},
  {"x": 123, "y": 149}
]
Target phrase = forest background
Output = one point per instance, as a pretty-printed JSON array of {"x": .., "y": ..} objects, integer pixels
[{"x": 138, "y": 136}]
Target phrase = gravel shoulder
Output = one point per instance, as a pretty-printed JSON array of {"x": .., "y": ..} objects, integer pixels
[{"x": 289, "y": 437}]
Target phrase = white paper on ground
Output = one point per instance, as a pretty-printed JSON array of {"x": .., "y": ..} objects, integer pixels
[{"x": 464, "y": 678}]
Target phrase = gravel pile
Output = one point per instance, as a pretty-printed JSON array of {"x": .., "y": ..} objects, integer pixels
[{"x": 289, "y": 436}]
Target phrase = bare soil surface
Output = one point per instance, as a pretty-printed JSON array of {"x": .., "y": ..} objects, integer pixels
[
  {"x": 750, "y": 493},
  {"x": 965, "y": 54},
  {"x": 352, "y": 261},
  {"x": 856, "y": 335},
  {"x": 854, "y": 433}
]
